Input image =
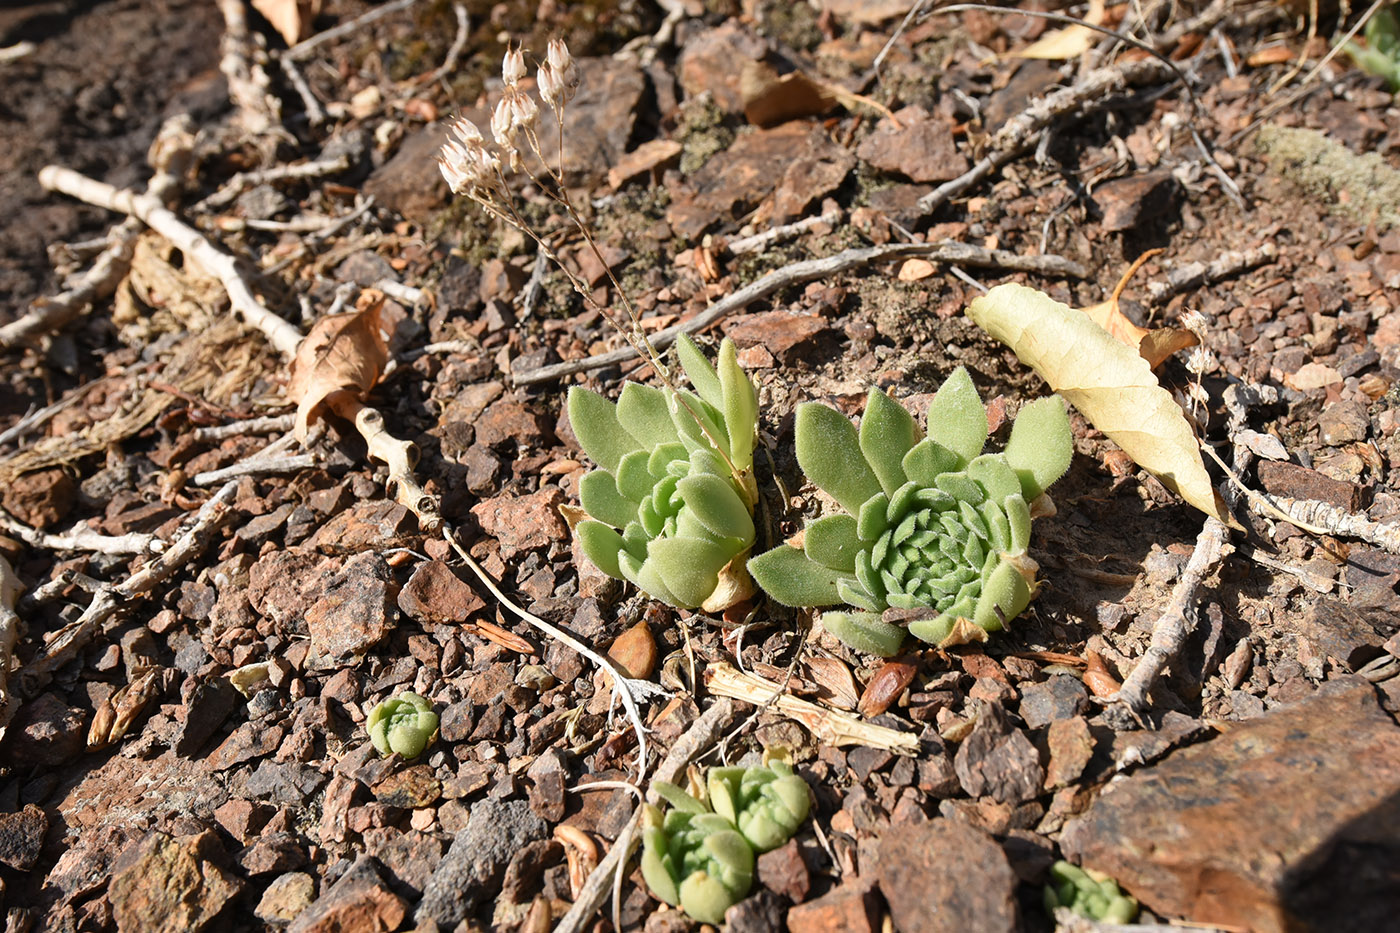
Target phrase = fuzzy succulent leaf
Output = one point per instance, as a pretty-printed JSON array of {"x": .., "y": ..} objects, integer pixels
[
  {"x": 689, "y": 567},
  {"x": 740, "y": 406},
  {"x": 1088, "y": 894},
  {"x": 601, "y": 544},
  {"x": 600, "y": 434},
  {"x": 788, "y": 576},
  {"x": 403, "y": 725},
  {"x": 645, "y": 414},
  {"x": 887, "y": 434},
  {"x": 865, "y": 632},
  {"x": 598, "y": 494},
  {"x": 699, "y": 371},
  {"x": 956, "y": 417},
  {"x": 1041, "y": 446},
  {"x": 766, "y": 804},
  {"x": 949, "y": 540},
  {"x": 828, "y": 450}
]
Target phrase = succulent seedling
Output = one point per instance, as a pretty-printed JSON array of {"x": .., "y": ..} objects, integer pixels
[
  {"x": 671, "y": 505},
  {"x": 934, "y": 532},
  {"x": 405, "y": 725},
  {"x": 765, "y": 804},
  {"x": 1088, "y": 893}
]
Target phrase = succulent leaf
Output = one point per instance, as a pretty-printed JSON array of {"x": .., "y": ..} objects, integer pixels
[
  {"x": 766, "y": 804},
  {"x": 887, "y": 434},
  {"x": 740, "y": 406},
  {"x": 956, "y": 417},
  {"x": 699, "y": 424},
  {"x": 828, "y": 450},
  {"x": 644, "y": 413},
  {"x": 598, "y": 494},
  {"x": 403, "y": 725},
  {"x": 600, "y": 434},
  {"x": 689, "y": 567},
  {"x": 717, "y": 506},
  {"x": 948, "y": 539},
  {"x": 696, "y": 860},
  {"x": 1089, "y": 894},
  {"x": 698, "y": 369},
  {"x": 787, "y": 575},
  {"x": 1040, "y": 447},
  {"x": 601, "y": 544}
]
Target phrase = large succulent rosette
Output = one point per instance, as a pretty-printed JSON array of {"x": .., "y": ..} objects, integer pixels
[
  {"x": 934, "y": 533},
  {"x": 671, "y": 505}
]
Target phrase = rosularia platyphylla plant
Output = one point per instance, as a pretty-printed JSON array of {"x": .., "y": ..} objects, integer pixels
[
  {"x": 1088, "y": 893},
  {"x": 405, "y": 725},
  {"x": 671, "y": 504},
  {"x": 933, "y": 538},
  {"x": 700, "y": 857}
]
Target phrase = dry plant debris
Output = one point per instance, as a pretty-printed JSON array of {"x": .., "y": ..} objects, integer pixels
[{"x": 205, "y": 593}]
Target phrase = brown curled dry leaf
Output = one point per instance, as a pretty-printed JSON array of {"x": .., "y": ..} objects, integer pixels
[
  {"x": 1152, "y": 345},
  {"x": 888, "y": 684},
  {"x": 291, "y": 18},
  {"x": 835, "y": 682},
  {"x": 342, "y": 353}
]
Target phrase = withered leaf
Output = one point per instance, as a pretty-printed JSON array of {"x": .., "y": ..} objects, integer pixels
[{"x": 343, "y": 352}]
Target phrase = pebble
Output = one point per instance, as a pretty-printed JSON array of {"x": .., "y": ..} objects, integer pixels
[{"x": 944, "y": 876}]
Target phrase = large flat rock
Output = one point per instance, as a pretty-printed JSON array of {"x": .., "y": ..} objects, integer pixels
[{"x": 1289, "y": 822}]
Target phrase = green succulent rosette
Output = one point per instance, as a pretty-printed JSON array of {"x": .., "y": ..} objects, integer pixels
[
  {"x": 405, "y": 725},
  {"x": 694, "y": 859},
  {"x": 932, "y": 528},
  {"x": 671, "y": 505},
  {"x": 1089, "y": 894},
  {"x": 765, "y": 804}
]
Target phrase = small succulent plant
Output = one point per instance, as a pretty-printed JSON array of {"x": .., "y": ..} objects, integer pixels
[
  {"x": 403, "y": 725},
  {"x": 1089, "y": 894},
  {"x": 671, "y": 505},
  {"x": 1381, "y": 54},
  {"x": 766, "y": 805},
  {"x": 699, "y": 856},
  {"x": 934, "y": 532}
]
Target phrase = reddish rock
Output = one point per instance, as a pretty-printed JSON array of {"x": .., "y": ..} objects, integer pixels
[
  {"x": 945, "y": 876},
  {"x": 784, "y": 871},
  {"x": 410, "y": 182},
  {"x": 782, "y": 333},
  {"x": 1127, "y": 201},
  {"x": 522, "y": 523},
  {"x": 436, "y": 594},
  {"x": 250, "y": 740},
  {"x": 168, "y": 884},
  {"x": 40, "y": 498},
  {"x": 243, "y": 818},
  {"x": 287, "y": 896},
  {"x": 357, "y": 609},
  {"x": 713, "y": 62},
  {"x": 373, "y": 524},
  {"x": 411, "y": 856},
  {"x": 818, "y": 171},
  {"x": 359, "y": 902},
  {"x": 997, "y": 760},
  {"x": 272, "y": 852},
  {"x": 922, "y": 148},
  {"x": 1286, "y": 822},
  {"x": 854, "y": 907},
  {"x": 598, "y": 121},
  {"x": 22, "y": 836},
  {"x": 46, "y": 732},
  {"x": 1071, "y": 746},
  {"x": 409, "y": 788},
  {"x": 1295, "y": 482},
  {"x": 511, "y": 425}
]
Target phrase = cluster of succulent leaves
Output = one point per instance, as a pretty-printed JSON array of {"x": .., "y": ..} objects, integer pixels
[
  {"x": 700, "y": 857},
  {"x": 1381, "y": 54},
  {"x": 934, "y": 532},
  {"x": 405, "y": 725},
  {"x": 671, "y": 505},
  {"x": 1089, "y": 894}
]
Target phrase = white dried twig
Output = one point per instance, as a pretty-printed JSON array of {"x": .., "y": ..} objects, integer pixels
[
  {"x": 108, "y": 600},
  {"x": 241, "y": 182},
  {"x": 9, "y": 636},
  {"x": 315, "y": 113},
  {"x": 270, "y": 424},
  {"x": 282, "y": 335},
  {"x": 81, "y": 538},
  {"x": 13, "y": 53},
  {"x": 256, "y": 466},
  {"x": 240, "y": 60},
  {"x": 304, "y": 48},
  {"x": 1327, "y": 518},
  {"x": 1195, "y": 274},
  {"x": 1177, "y": 620},
  {"x": 758, "y": 241},
  {"x": 459, "y": 43},
  {"x": 797, "y": 273},
  {"x": 401, "y": 457}
]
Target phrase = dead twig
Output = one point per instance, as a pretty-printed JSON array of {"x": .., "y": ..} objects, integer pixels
[
  {"x": 401, "y": 457},
  {"x": 1310, "y": 514},
  {"x": 257, "y": 466},
  {"x": 81, "y": 538},
  {"x": 799, "y": 273},
  {"x": 1196, "y": 274},
  {"x": 270, "y": 424},
  {"x": 109, "y": 600},
  {"x": 459, "y": 43},
  {"x": 9, "y": 636},
  {"x": 827, "y": 725},
  {"x": 241, "y": 182},
  {"x": 1177, "y": 621},
  {"x": 315, "y": 113},
  {"x": 282, "y": 335},
  {"x": 704, "y": 732},
  {"x": 758, "y": 241},
  {"x": 303, "y": 48},
  {"x": 241, "y": 61}
]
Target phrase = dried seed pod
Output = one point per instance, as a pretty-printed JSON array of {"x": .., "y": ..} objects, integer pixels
[{"x": 888, "y": 684}]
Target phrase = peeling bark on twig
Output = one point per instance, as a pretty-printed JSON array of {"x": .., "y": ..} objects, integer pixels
[
  {"x": 9, "y": 636},
  {"x": 401, "y": 457}
]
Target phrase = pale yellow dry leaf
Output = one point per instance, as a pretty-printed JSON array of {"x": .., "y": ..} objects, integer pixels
[
  {"x": 344, "y": 352},
  {"x": 1152, "y": 345},
  {"x": 291, "y": 18},
  {"x": 915, "y": 269},
  {"x": 1107, "y": 381},
  {"x": 1070, "y": 42},
  {"x": 867, "y": 12}
]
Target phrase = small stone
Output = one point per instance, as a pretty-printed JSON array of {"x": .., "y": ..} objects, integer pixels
[
  {"x": 1060, "y": 697},
  {"x": 243, "y": 818},
  {"x": 410, "y": 788},
  {"x": 635, "y": 651},
  {"x": 944, "y": 876},
  {"x": 1311, "y": 376},
  {"x": 285, "y": 898},
  {"x": 359, "y": 901},
  {"x": 436, "y": 594},
  {"x": 523, "y": 523},
  {"x": 1071, "y": 747},
  {"x": 785, "y": 334},
  {"x": 211, "y": 703},
  {"x": 22, "y": 836},
  {"x": 526, "y": 868},
  {"x": 286, "y": 784},
  {"x": 357, "y": 609},
  {"x": 763, "y": 912},
  {"x": 1295, "y": 482},
  {"x": 272, "y": 852},
  {"x": 713, "y": 62},
  {"x": 997, "y": 760},
  {"x": 1127, "y": 201},
  {"x": 1343, "y": 423},
  {"x": 922, "y": 148},
  {"x": 510, "y": 425},
  {"x": 165, "y": 884},
  {"x": 854, "y": 907},
  {"x": 784, "y": 871},
  {"x": 47, "y": 732},
  {"x": 472, "y": 869},
  {"x": 1285, "y": 822},
  {"x": 40, "y": 498},
  {"x": 410, "y": 856}
]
